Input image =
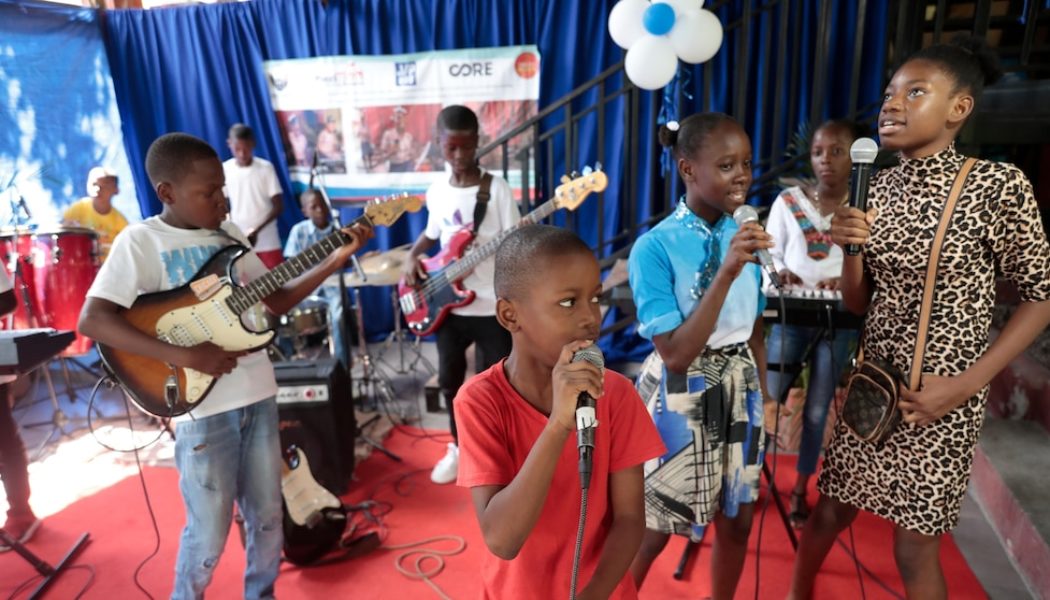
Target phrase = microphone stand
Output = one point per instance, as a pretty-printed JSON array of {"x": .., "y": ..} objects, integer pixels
[
  {"x": 337, "y": 221},
  {"x": 345, "y": 338}
]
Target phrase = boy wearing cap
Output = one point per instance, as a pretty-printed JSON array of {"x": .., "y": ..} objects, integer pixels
[{"x": 96, "y": 211}]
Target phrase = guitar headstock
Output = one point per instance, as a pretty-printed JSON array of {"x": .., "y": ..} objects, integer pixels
[
  {"x": 573, "y": 190},
  {"x": 388, "y": 209}
]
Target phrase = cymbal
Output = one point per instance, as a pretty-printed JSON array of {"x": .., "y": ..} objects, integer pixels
[{"x": 380, "y": 268}]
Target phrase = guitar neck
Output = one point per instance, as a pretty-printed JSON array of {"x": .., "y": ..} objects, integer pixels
[
  {"x": 243, "y": 299},
  {"x": 467, "y": 263}
]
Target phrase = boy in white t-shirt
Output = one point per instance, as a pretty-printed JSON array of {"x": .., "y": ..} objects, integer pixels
[
  {"x": 228, "y": 448},
  {"x": 451, "y": 207},
  {"x": 255, "y": 195}
]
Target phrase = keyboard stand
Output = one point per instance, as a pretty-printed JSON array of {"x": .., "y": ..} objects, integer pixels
[{"x": 47, "y": 571}]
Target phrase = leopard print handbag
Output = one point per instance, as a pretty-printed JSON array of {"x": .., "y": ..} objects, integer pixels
[{"x": 873, "y": 387}]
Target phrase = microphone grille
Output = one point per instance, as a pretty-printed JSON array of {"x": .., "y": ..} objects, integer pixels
[
  {"x": 592, "y": 354},
  {"x": 745, "y": 213},
  {"x": 864, "y": 150}
]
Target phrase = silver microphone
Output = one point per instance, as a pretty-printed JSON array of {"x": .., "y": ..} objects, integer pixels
[
  {"x": 587, "y": 415},
  {"x": 747, "y": 214}
]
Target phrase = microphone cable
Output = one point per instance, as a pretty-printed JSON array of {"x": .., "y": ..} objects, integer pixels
[
  {"x": 114, "y": 384},
  {"x": 579, "y": 544}
]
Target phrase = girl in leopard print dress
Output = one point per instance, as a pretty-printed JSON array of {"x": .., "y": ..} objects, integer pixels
[{"x": 917, "y": 479}]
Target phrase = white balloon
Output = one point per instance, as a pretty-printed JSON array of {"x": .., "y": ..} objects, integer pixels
[
  {"x": 625, "y": 22},
  {"x": 651, "y": 62},
  {"x": 682, "y": 6},
  {"x": 697, "y": 36}
]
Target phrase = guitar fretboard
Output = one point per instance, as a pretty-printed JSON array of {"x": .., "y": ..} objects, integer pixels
[
  {"x": 242, "y": 299},
  {"x": 467, "y": 263}
]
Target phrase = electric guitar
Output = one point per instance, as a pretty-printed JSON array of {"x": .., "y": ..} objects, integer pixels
[
  {"x": 209, "y": 309},
  {"x": 426, "y": 305},
  {"x": 314, "y": 518}
]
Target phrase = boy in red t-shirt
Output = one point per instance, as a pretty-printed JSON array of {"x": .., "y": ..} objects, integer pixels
[{"x": 518, "y": 453}]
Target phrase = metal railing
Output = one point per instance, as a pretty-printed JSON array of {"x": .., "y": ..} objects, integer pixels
[{"x": 552, "y": 138}]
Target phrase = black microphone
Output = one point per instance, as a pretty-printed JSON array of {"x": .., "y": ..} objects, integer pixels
[
  {"x": 25, "y": 207},
  {"x": 587, "y": 416},
  {"x": 862, "y": 153},
  {"x": 747, "y": 214}
]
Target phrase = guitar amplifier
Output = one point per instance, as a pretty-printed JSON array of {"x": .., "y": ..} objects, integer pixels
[{"x": 316, "y": 414}]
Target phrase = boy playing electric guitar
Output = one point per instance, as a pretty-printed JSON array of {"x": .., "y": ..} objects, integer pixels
[{"x": 228, "y": 448}]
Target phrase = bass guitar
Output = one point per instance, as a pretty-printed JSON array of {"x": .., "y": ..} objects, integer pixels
[
  {"x": 209, "y": 309},
  {"x": 427, "y": 305}
]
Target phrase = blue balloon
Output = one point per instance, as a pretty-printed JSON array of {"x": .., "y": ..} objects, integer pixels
[{"x": 658, "y": 18}]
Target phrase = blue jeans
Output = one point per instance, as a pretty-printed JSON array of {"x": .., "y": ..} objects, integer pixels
[
  {"x": 231, "y": 456},
  {"x": 829, "y": 361}
]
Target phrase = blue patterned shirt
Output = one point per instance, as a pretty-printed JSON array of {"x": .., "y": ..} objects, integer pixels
[{"x": 673, "y": 264}]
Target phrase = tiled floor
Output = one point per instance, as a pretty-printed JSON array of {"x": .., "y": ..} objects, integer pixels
[{"x": 69, "y": 462}]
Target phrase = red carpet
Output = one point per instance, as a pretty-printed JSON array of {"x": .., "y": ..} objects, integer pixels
[{"x": 121, "y": 537}]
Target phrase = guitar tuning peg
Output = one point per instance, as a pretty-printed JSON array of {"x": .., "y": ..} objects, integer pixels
[
  {"x": 587, "y": 170},
  {"x": 565, "y": 179},
  {"x": 574, "y": 174},
  {"x": 597, "y": 166}
]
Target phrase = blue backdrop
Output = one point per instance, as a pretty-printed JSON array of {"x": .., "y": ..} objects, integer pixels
[{"x": 58, "y": 112}]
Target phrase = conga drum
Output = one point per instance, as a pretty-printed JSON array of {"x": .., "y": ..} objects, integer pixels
[
  {"x": 16, "y": 253},
  {"x": 65, "y": 263}
]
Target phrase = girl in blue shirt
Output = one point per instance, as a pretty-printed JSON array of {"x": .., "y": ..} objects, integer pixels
[{"x": 697, "y": 288}]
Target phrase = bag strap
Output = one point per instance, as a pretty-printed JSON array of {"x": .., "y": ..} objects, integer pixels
[
  {"x": 482, "y": 201},
  {"x": 915, "y": 376}
]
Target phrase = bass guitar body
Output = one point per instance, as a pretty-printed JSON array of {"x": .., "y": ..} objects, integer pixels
[
  {"x": 427, "y": 305},
  {"x": 186, "y": 316}
]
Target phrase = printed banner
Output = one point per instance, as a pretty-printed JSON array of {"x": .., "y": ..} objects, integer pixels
[{"x": 369, "y": 122}]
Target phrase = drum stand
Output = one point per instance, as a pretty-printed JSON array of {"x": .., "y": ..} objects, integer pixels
[
  {"x": 48, "y": 572},
  {"x": 398, "y": 336},
  {"x": 58, "y": 417},
  {"x": 371, "y": 376}
]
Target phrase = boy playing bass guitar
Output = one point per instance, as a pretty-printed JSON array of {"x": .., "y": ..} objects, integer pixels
[{"x": 483, "y": 201}]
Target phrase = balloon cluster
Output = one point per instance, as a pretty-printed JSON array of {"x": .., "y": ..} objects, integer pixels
[{"x": 659, "y": 33}]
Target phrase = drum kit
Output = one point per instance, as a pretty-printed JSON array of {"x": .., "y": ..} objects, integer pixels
[
  {"x": 51, "y": 269},
  {"x": 305, "y": 331}
]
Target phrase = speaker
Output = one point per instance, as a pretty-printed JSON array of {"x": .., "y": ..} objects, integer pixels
[{"x": 316, "y": 414}]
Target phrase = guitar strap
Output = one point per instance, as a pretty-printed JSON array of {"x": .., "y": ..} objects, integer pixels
[{"x": 482, "y": 200}]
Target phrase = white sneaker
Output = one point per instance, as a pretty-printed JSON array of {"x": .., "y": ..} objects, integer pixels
[{"x": 445, "y": 470}]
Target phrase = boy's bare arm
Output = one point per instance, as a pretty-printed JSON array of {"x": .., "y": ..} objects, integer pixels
[
  {"x": 101, "y": 321},
  {"x": 294, "y": 291},
  {"x": 276, "y": 206},
  {"x": 625, "y": 535},
  {"x": 507, "y": 514}
]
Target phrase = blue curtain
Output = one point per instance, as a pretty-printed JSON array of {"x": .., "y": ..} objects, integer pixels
[{"x": 58, "y": 113}]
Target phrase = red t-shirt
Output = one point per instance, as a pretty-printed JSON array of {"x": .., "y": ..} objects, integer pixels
[{"x": 497, "y": 429}]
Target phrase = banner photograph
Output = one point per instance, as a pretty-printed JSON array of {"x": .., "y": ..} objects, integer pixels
[{"x": 368, "y": 122}]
